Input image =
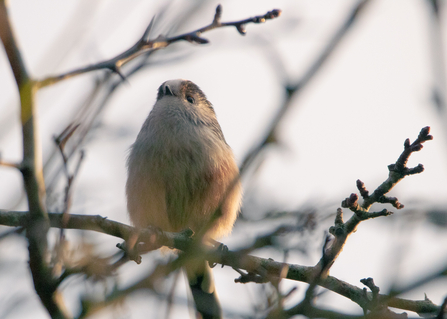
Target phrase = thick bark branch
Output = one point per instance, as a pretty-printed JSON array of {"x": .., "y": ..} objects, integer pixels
[{"x": 267, "y": 268}]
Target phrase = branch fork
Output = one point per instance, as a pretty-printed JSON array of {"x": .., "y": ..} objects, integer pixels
[
  {"x": 144, "y": 44},
  {"x": 341, "y": 230}
]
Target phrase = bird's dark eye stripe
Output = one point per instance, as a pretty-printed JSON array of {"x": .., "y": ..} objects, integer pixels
[{"x": 190, "y": 99}]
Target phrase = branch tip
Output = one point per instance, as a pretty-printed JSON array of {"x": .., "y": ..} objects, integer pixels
[
  {"x": 218, "y": 15},
  {"x": 415, "y": 170},
  {"x": 241, "y": 29},
  {"x": 390, "y": 200},
  {"x": 424, "y": 135},
  {"x": 275, "y": 13},
  {"x": 369, "y": 282},
  {"x": 268, "y": 16},
  {"x": 339, "y": 217},
  {"x": 350, "y": 202},
  {"x": 407, "y": 143},
  {"x": 362, "y": 189},
  {"x": 194, "y": 38}
]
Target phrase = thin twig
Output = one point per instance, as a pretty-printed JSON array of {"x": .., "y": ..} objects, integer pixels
[
  {"x": 143, "y": 45},
  {"x": 293, "y": 89},
  {"x": 10, "y": 164},
  {"x": 342, "y": 230}
]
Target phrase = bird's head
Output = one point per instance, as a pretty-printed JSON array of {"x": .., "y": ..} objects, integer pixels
[{"x": 188, "y": 94}]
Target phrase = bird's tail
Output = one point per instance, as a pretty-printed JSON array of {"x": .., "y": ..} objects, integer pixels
[{"x": 201, "y": 282}]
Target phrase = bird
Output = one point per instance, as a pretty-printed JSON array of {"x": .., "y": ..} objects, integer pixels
[{"x": 180, "y": 172}]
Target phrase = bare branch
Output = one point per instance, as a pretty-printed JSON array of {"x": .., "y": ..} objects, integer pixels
[
  {"x": 258, "y": 267},
  {"x": 293, "y": 89},
  {"x": 399, "y": 170},
  {"x": 311, "y": 311},
  {"x": 9, "y": 164},
  {"x": 341, "y": 231},
  {"x": 144, "y": 45},
  {"x": 37, "y": 223},
  {"x": 379, "y": 309}
]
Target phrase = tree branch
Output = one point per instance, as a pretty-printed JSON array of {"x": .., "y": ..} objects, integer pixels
[
  {"x": 259, "y": 268},
  {"x": 399, "y": 170},
  {"x": 144, "y": 45},
  {"x": 236, "y": 259},
  {"x": 292, "y": 90},
  {"x": 342, "y": 230},
  {"x": 37, "y": 223}
]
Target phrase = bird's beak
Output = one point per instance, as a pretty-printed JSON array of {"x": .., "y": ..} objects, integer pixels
[{"x": 168, "y": 91}]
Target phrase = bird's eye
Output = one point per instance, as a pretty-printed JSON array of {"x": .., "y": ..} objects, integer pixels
[{"x": 190, "y": 99}]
